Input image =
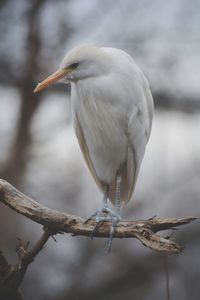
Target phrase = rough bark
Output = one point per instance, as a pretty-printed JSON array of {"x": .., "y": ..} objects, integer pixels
[
  {"x": 144, "y": 230},
  {"x": 58, "y": 222}
]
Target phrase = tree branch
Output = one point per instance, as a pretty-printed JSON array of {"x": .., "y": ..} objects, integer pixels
[
  {"x": 56, "y": 222},
  {"x": 12, "y": 276},
  {"x": 143, "y": 230}
]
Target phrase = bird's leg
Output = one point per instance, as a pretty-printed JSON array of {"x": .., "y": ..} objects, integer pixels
[
  {"x": 105, "y": 197},
  {"x": 104, "y": 213},
  {"x": 100, "y": 213},
  {"x": 118, "y": 195},
  {"x": 103, "y": 207},
  {"x": 117, "y": 217}
]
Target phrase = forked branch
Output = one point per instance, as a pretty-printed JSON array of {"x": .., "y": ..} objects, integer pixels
[
  {"x": 56, "y": 222},
  {"x": 143, "y": 230},
  {"x": 12, "y": 276}
]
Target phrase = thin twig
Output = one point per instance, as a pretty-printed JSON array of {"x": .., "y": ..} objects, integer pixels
[{"x": 167, "y": 276}]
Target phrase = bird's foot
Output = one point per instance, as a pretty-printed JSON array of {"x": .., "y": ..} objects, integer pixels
[
  {"x": 115, "y": 220},
  {"x": 101, "y": 215}
]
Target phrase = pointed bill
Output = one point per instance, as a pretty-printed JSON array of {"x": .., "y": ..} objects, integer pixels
[{"x": 50, "y": 80}]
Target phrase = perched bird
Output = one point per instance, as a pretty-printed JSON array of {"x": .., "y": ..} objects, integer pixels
[{"x": 112, "y": 110}]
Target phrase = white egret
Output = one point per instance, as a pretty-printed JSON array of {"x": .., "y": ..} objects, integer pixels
[{"x": 112, "y": 110}]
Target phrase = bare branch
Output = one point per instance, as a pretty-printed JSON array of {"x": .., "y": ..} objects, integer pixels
[
  {"x": 56, "y": 222},
  {"x": 143, "y": 230},
  {"x": 12, "y": 276}
]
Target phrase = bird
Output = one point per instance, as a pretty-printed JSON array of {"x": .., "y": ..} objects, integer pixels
[{"x": 112, "y": 112}]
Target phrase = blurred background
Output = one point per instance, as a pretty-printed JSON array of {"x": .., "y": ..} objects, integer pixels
[{"x": 39, "y": 153}]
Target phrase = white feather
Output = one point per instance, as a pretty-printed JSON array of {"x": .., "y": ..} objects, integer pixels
[{"x": 112, "y": 103}]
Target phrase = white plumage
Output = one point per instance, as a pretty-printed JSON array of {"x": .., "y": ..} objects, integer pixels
[{"x": 112, "y": 109}]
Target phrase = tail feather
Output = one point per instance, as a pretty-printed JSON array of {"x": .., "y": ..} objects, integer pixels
[{"x": 128, "y": 173}]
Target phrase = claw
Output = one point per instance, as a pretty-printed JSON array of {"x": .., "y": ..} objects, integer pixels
[
  {"x": 115, "y": 220},
  {"x": 107, "y": 214},
  {"x": 101, "y": 215},
  {"x": 91, "y": 217},
  {"x": 94, "y": 231}
]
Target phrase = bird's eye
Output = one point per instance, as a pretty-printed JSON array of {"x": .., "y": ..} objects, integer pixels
[{"x": 73, "y": 66}]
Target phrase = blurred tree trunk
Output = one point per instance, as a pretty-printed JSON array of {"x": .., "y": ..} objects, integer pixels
[{"x": 16, "y": 161}]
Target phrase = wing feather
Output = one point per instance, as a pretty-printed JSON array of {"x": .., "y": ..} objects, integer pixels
[
  {"x": 139, "y": 128},
  {"x": 85, "y": 151},
  {"x": 128, "y": 173},
  {"x": 139, "y": 122}
]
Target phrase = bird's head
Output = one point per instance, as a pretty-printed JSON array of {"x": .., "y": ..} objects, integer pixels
[{"x": 80, "y": 63}]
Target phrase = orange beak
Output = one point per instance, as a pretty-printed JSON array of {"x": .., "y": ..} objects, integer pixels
[{"x": 51, "y": 80}]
